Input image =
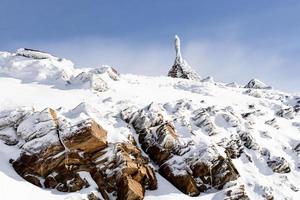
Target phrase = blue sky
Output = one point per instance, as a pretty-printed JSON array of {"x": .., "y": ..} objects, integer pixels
[{"x": 229, "y": 40}]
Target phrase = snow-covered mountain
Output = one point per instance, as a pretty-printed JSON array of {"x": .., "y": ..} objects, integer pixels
[{"x": 73, "y": 133}]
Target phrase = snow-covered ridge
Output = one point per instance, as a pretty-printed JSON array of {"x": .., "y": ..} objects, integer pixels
[
  {"x": 215, "y": 140},
  {"x": 35, "y": 66}
]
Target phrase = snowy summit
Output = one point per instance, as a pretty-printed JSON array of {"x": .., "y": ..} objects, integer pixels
[{"x": 91, "y": 133}]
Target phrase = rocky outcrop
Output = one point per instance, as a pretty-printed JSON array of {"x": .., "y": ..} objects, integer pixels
[
  {"x": 86, "y": 136},
  {"x": 287, "y": 113},
  {"x": 189, "y": 167},
  {"x": 55, "y": 151},
  {"x": 181, "y": 68},
  {"x": 257, "y": 84},
  {"x": 236, "y": 193},
  {"x": 202, "y": 120},
  {"x": 279, "y": 165}
]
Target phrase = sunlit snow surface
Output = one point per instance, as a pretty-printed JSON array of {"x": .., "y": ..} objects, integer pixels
[{"x": 36, "y": 87}]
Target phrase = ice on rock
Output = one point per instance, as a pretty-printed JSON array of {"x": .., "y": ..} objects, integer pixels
[{"x": 181, "y": 69}]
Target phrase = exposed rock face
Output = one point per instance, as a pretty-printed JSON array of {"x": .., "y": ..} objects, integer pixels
[
  {"x": 130, "y": 189},
  {"x": 190, "y": 168},
  {"x": 287, "y": 113},
  {"x": 279, "y": 165},
  {"x": 55, "y": 152},
  {"x": 202, "y": 119},
  {"x": 87, "y": 136},
  {"x": 257, "y": 84},
  {"x": 181, "y": 68},
  {"x": 126, "y": 171},
  {"x": 237, "y": 193}
]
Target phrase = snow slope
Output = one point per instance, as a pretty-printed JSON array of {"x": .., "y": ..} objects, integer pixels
[{"x": 263, "y": 113}]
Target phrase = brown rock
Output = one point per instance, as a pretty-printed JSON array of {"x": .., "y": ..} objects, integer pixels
[
  {"x": 50, "y": 182},
  {"x": 69, "y": 181},
  {"x": 216, "y": 174},
  {"x": 33, "y": 179},
  {"x": 158, "y": 154},
  {"x": 92, "y": 196},
  {"x": 129, "y": 189},
  {"x": 101, "y": 183},
  {"x": 167, "y": 136},
  {"x": 87, "y": 136},
  {"x": 183, "y": 180}
]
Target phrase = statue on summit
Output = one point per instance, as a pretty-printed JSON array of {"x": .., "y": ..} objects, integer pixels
[{"x": 181, "y": 68}]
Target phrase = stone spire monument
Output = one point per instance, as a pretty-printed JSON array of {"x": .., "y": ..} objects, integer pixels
[{"x": 181, "y": 68}]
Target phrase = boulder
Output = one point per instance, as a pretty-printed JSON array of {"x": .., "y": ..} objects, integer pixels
[
  {"x": 279, "y": 165},
  {"x": 87, "y": 136},
  {"x": 236, "y": 193},
  {"x": 181, "y": 179},
  {"x": 129, "y": 189}
]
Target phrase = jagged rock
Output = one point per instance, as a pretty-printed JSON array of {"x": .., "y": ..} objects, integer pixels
[
  {"x": 166, "y": 136},
  {"x": 202, "y": 120},
  {"x": 257, "y": 84},
  {"x": 181, "y": 68},
  {"x": 92, "y": 196},
  {"x": 248, "y": 140},
  {"x": 87, "y": 136},
  {"x": 287, "y": 113},
  {"x": 237, "y": 193},
  {"x": 69, "y": 181},
  {"x": 234, "y": 148},
  {"x": 121, "y": 164},
  {"x": 177, "y": 162},
  {"x": 183, "y": 180},
  {"x": 213, "y": 169},
  {"x": 101, "y": 182},
  {"x": 279, "y": 165},
  {"x": 129, "y": 189}
]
